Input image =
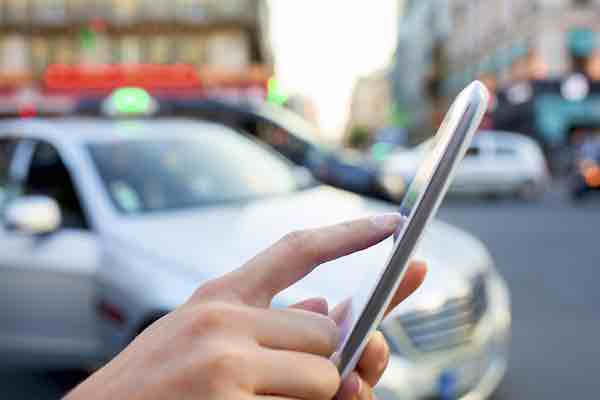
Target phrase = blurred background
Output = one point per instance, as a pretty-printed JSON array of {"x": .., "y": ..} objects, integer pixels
[{"x": 348, "y": 93}]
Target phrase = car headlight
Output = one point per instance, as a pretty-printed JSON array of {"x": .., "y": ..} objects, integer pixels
[{"x": 394, "y": 185}]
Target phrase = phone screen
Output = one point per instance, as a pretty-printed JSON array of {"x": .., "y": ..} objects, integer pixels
[{"x": 450, "y": 143}]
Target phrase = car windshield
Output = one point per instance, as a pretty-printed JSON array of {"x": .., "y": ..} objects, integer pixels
[{"x": 148, "y": 175}]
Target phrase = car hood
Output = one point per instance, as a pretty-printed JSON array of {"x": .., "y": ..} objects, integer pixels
[
  {"x": 205, "y": 243},
  {"x": 403, "y": 162}
]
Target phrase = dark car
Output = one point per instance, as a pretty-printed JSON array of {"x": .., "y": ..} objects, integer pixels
[
  {"x": 294, "y": 138},
  {"x": 586, "y": 176}
]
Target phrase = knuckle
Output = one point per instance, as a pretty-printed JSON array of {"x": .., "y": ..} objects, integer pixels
[
  {"x": 225, "y": 364},
  {"x": 228, "y": 362},
  {"x": 209, "y": 290},
  {"x": 210, "y": 317}
]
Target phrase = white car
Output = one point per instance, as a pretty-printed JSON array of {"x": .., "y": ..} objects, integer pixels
[
  {"x": 108, "y": 225},
  {"x": 497, "y": 163}
]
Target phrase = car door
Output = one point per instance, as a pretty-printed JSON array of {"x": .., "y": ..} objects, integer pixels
[
  {"x": 470, "y": 175},
  {"x": 506, "y": 165},
  {"x": 46, "y": 281}
]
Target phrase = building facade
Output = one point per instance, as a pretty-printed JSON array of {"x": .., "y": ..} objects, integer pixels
[
  {"x": 369, "y": 106},
  {"x": 224, "y": 34},
  {"x": 493, "y": 36},
  {"x": 498, "y": 41}
]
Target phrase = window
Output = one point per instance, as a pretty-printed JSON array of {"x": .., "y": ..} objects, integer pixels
[
  {"x": 582, "y": 3},
  {"x": 16, "y": 11},
  {"x": 473, "y": 151},
  {"x": 228, "y": 49},
  {"x": 505, "y": 151},
  {"x": 182, "y": 172},
  {"x": 190, "y": 10},
  {"x": 49, "y": 11},
  {"x": 7, "y": 149},
  {"x": 160, "y": 50},
  {"x": 48, "y": 176},
  {"x": 125, "y": 11}
]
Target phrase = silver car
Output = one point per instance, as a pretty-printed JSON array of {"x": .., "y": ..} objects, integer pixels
[
  {"x": 108, "y": 225},
  {"x": 497, "y": 163}
]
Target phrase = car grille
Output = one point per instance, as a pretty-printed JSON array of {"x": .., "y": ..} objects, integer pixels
[{"x": 449, "y": 325}]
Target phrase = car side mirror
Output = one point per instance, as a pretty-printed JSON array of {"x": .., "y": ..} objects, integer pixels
[{"x": 35, "y": 215}]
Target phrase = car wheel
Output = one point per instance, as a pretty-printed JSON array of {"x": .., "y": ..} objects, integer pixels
[
  {"x": 530, "y": 190},
  {"x": 490, "y": 196},
  {"x": 577, "y": 195}
]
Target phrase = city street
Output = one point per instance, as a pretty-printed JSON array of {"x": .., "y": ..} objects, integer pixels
[{"x": 549, "y": 254}]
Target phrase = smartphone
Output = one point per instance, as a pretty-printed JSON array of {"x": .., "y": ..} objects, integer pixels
[{"x": 363, "y": 313}]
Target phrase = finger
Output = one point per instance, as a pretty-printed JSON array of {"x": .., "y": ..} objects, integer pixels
[
  {"x": 366, "y": 392},
  {"x": 298, "y": 253},
  {"x": 295, "y": 330},
  {"x": 414, "y": 277},
  {"x": 317, "y": 305},
  {"x": 309, "y": 377},
  {"x": 415, "y": 274},
  {"x": 351, "y": 387},
  {"x": 374, "y": 359}
]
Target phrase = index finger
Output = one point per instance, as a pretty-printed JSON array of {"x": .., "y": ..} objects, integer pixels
[{"x": 300, "y": 252}]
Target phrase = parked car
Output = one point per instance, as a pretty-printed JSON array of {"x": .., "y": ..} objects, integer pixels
[
  {"x": 586, "y": 175},
  {"x": 283, "y": 130},
  {"x": 496, "y": 164},
  {"x": 108, "y": 225}
]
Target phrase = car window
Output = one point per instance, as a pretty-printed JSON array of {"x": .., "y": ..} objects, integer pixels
[
  {"x": 7, "y": 150},
  {"x": 49, "y": 176},
  {"x": 505, "y": 151},
  {"x": 473, "y": 151},
  {"x": 279, "y": 139},
  {"x": 275, "y": 136},
  {"x": 202, "y": 169}
]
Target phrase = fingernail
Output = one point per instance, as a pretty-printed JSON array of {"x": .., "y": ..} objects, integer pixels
[
  {"x": 356, "y": 384},
  {"x": 388, "y": 222},
  {"x": 318, "y": 305}
]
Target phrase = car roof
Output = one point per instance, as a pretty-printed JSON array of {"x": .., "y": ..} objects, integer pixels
[
  {"x": 77, "y": 129},
  {"x": 504, "y": 137}
]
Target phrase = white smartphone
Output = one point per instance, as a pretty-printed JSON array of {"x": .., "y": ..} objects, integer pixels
[{"x": 364, "y": 311}]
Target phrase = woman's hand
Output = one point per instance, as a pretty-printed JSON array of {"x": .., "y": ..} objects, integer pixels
[{"x": 226, "y": 343}]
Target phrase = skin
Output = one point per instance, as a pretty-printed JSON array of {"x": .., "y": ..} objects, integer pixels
[{"x": 226, "y": 342}]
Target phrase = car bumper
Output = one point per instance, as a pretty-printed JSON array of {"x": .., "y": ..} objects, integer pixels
[{"x": 476, "y": 368}]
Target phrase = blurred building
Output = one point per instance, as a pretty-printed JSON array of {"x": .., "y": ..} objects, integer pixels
[
  {"x": 212, "y": 35},
  {"x": 369, "y": 107},
  {"x": 518, "y": 39},
  {"x": 445, "y": 44},
  {"x": 423, "y": 27}
]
